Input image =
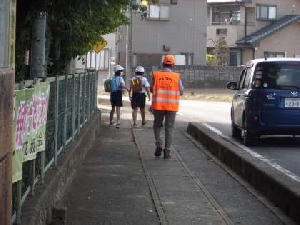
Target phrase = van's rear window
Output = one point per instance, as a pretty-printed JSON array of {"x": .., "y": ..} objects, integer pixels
[{"x": 280, "y": 74}]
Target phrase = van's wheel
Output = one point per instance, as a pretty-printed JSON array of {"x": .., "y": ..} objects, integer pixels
[
  {"x": 235, "y": 132},
  {"x": 248, "y": 138}
]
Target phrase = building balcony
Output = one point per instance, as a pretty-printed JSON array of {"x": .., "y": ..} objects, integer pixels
[{"x": 231, "y": 32}]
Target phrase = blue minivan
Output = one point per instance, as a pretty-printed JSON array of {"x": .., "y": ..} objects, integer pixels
[{"x": 267, "y": 99}]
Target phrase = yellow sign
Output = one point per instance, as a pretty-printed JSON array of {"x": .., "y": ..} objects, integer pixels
[{"x": 100, "y": 45}]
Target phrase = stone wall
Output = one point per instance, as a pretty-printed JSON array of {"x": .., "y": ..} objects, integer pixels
[
  {"x": 204, "y": 76},
  {"x": 208, "y": 76},
  {"x": 196, "y": 76},
  {"x": 6, "y": 116}
]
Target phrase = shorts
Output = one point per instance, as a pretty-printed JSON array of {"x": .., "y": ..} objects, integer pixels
[
  {"x": 116, "y": 99},
  {"x": 138, "y": 100}
]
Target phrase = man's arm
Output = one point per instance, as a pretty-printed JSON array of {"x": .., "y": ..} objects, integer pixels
[
  {"x": 152, "y": 84},
  {"x": 181, "y": 87}
]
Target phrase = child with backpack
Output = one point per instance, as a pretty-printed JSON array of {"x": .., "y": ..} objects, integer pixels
[
  {"x": 116, "y": 91},
  {"x": 139, "y": 87}
]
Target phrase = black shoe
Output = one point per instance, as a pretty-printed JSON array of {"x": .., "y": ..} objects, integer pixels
[
  {"x": 167, "y": 154},
  {"x": 158, "y": 151}
]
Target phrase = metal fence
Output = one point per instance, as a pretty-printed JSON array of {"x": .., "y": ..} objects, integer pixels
[{"x": 72, "y": 101}]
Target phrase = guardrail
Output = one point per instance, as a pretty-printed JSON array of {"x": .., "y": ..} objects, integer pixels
[{"x": 72, "y": 102}]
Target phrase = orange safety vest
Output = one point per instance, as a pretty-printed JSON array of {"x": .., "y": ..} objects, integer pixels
[{"x": 166, "y": 91}]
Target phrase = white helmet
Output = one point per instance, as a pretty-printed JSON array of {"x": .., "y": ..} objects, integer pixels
[
  {"x": 140, "y": 69},
  {"x": 118, "y": 68}
]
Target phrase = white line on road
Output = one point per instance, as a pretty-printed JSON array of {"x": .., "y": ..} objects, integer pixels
[{"x": 255, "y": 154}]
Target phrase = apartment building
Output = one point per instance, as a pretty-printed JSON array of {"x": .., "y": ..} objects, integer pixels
[
  {"x": 254, "y": 28},
  {"x": 175, "y": 27}
]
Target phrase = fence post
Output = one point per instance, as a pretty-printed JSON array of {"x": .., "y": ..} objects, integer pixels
[
  {"x": 83, "y": 97},
  {"x": 89, "y": 95},
  {"x": 96, "y": 91},
  {"x": 19, "y": 202},
  {"x": 79, "y": 104},
  {"x": 56, "y": 121},
  {"x": 32, "y": 176},
  {"x": 65, "y": 124},
  {"x": 73, "y": 106},
  {"x": 43, "y": 157}
]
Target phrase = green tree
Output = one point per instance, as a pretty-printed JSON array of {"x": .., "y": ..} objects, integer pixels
[{"x": 73, "y": 26}]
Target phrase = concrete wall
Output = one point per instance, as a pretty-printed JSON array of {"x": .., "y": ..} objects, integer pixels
[
  {"x": 204, "y": 76},
  {"x": 198, "y": 76},
  {"x": 185, "y": 31},
  {"x": 208, "y": 76},
  {"x": 6, "y": 117}
]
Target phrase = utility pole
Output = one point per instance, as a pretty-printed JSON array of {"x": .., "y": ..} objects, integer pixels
[
  {"x": 129, "y": 45},
  {"x": 7, "y": 80},
  {"x": 38, "y": 57},
  {"x": 4, "y": 33}
]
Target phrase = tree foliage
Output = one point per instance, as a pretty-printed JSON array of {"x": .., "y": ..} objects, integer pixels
[
  {"x": 72, "y": 27},
  {"x": 210, "y": 59},
  {"x": 221, "y": 51}
]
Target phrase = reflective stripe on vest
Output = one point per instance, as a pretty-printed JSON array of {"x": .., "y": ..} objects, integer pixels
[{"x": 166, "y": 92}]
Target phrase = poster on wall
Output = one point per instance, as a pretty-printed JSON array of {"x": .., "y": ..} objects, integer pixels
[{"x": 30, "y": 117}]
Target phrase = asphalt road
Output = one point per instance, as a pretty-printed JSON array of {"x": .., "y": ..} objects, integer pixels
[{"x": 279, "y": 152}]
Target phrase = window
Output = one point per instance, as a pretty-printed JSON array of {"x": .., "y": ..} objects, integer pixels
[
  {"x": 234, "y": 57},
  {"x": 216, "y": 17},
  {"x": 235, "y": 17},
  {"x": 242, "y": 79},
  {"x": 139, "y": 4},
  {"x": 247, "y": 78},
  {"x": 158, "y": 12},
  {"x": 274, "y": 54},
  {"x": 280, "y": 74},
  {"x": 222, "y": 32},
  {"x": 266, "y": 12},
  {"x": 173, "y": 2}
]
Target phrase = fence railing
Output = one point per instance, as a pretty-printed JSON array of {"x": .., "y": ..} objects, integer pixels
[{"x": 72, "y": 101}]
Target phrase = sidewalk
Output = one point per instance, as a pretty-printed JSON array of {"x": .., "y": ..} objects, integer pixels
[{"x": 121, "y": 182}]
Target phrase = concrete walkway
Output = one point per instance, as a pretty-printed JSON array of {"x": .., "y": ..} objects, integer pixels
[{"x": 121, "y": 182}]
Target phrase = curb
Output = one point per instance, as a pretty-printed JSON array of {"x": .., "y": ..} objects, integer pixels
[{"x": 275, "y": 186}]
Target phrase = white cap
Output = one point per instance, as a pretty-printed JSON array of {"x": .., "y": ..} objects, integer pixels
[
  {"x": 118, "y": 67},
  {"x": 140, "y": 69}
]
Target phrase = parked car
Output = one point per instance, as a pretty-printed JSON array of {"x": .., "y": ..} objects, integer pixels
[{"x": 267, "y": 99}]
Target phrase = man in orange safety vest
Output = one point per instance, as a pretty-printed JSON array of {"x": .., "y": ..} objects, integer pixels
[{"x": 166, "y": 90}]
